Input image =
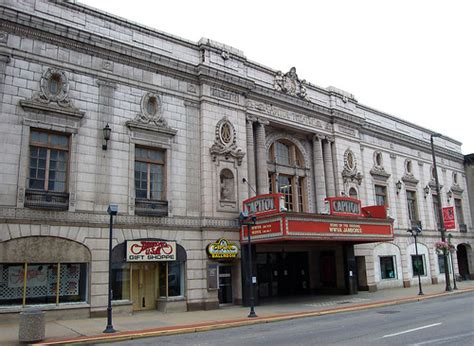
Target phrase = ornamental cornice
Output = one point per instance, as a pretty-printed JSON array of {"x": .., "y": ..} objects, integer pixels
[
  {"x": 408, "y": 141},
  {"x": 103, "y": 47},
  {"x": 86, "y": 219}
]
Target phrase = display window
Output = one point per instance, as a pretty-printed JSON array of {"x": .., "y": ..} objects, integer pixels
[{"x": 42, "y": 283}]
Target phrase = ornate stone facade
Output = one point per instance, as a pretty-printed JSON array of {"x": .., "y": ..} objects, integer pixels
[{"x": 189, "y": 141}]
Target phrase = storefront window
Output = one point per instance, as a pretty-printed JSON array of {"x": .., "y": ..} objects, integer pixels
[
  {"x": 120, "y": 281},
  {"x": 417, "y": 265},
  {"x": 441, "y": 264},
  {"x": 171, "y": 279},
  {"x": 387, "y": 267},
  {"x": 46, "y": 283}
]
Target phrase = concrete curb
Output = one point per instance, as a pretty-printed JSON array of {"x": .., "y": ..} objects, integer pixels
[{"x": 206, "y": 326}]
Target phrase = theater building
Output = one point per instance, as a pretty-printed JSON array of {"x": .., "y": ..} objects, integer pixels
[{"x": 183, "y": 136}]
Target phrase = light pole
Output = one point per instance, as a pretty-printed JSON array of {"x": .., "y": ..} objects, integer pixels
[
  {"x": 111, "y": 210},
  {"x": 242, "y": 220},
  {"x": 440, "y": 213},
  {"x": 452, "y": 262},
  {"x": 415, "y": 232}
]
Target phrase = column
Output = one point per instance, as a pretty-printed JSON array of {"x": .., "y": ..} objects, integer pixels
[
  {"x": 251, "y": 155},
  {"x": 329, "y": 167},
  {"x": 318, "y": 172},
  {"x": 262, "y": 170},
  {"x": 350, "y": 269}
]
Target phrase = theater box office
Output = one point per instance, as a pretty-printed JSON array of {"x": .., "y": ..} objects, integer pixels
[{"x": 304, "y": 253}]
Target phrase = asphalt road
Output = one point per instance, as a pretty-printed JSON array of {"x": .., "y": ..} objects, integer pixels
[{"x": 439, "y": 321}]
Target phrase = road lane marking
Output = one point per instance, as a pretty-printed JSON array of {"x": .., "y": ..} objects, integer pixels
[
  {"x": 412, "y": 330},
  {"x": 449, "y": 338}
]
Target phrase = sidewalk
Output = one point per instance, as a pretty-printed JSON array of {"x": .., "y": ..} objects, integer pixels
[{"x": 156, "y": 323}]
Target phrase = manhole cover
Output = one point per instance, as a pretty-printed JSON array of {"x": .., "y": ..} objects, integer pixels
[{"x": 387, "y": 312}]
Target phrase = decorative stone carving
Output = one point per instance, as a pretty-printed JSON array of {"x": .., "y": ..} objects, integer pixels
[
  {"x": 227, "y": 185},
  {"x": 53, "y": 95},
  {"x": 349, "y": 172},
  {"x": 225, "y": 143},
  {"x": 409, "y": 178},
  {"x": 290, "y": 84},
  {"x": 378, "y": 171},
  {"x": 151, "y": 117},
  {"x": 456, "y": 188},
  {"x": 283, "y": 114},
  {"x": 3, "y": 37}
]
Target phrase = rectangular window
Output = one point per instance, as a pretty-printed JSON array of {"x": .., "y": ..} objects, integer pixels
[
  {"x": 459, "y": 213},
  {"x": 441, "y": 264},
  {"x": 49, "y": 156},
  {"x": 171, "y": 279},
  {"x": 285, "y": 186},
  {"x": 150, "y": 174},
  {"x": 436, "y": 210},
  {"x": 46, "y": 283},
  {"x": 412, "y": 209},
  {"x": 300, "y": 194},
  {"x": 380, "y": 195},
  {"x": 387, "y": 267},
  {"x": 417, "y": 264}
]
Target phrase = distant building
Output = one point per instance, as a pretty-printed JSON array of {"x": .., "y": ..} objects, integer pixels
[{"x": 97, "y": 110}]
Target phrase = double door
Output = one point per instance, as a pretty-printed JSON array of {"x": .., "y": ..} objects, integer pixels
[{"x": 144, "y": 286}]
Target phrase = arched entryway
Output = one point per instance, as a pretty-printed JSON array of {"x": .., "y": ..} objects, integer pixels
[{"x": 463, "y": 261}]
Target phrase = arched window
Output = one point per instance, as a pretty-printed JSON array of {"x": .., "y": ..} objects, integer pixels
[
  {"x": 353, "y": 193},
  {"x": 287, "y": 175},
  {"x": 227, "y": 185}
]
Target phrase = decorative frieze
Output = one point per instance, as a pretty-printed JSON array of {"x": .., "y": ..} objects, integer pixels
[
  {"x": 283, "y": 114},
  {"x": 224, "y": 94}
]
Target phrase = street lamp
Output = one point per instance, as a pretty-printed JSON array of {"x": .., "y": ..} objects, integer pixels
[
  {"x": 415, "y": 232},
  {"x": 242, "y": 220},
  {"x": 440, "y": 212},
  {"x": 451, "y": 251},
  {"x": 111, "y": 210}
]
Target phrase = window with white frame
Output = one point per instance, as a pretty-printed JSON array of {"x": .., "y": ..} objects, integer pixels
[{"x": 388, "y": 267}]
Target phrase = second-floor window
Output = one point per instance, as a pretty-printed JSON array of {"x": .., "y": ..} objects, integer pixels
[
  {"x": 287, "y": 176},
  {"x": 459, "y": 213},
  {"x": 49, "y": 156},
  {"x": 380, "y": 195},
  {"x": 436, "y": 210},
  {"x": 150, "y": 174},
  {"x": 412, "y": 209}
]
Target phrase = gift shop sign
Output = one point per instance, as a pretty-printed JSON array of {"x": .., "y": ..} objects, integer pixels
[
  {"x": 149, "y": 251},
  {"x": 448, "y": 218}
]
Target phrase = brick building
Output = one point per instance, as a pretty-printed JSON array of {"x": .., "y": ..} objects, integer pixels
[{"x": 195, "y": 130}]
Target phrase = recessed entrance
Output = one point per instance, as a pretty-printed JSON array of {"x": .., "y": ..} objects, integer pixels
[
  {"x": 282, "y": 274},
  {"x": 225, "y": 284},
  {"x": 144, "y": 286}
]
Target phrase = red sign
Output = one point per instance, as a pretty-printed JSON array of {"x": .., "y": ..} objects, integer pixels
[
  {"x": 448, "y": 218},
  {"x": 145, "y": 250},
  {"x": 264, "y": 205},
  {"x": 344, "y": 206}
]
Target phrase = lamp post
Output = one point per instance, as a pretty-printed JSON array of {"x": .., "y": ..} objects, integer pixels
[
  {"x": 415, "y": 232},
  {"x": 440, "y": 213},
  {"x": 242, "y": 220},
  {"x": 111, "y": 210},
  {"x": 452, "y": 262}
]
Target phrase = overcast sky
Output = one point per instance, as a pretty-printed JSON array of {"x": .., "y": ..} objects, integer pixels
[{"x": 412, "y": 59}]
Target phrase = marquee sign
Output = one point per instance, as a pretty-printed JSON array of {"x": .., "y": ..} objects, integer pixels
[
  {"x": 264, "y": 204},
  {"x": 222, "y": 249},
  {"x": 150, "y": 250},
  {"x": 344, "y": 206}
]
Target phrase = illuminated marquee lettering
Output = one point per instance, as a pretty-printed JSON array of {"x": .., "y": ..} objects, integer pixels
[{"x": 260, "y": 205}]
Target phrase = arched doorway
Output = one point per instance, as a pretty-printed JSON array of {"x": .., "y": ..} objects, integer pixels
[{"x": 463, "y": 263}]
